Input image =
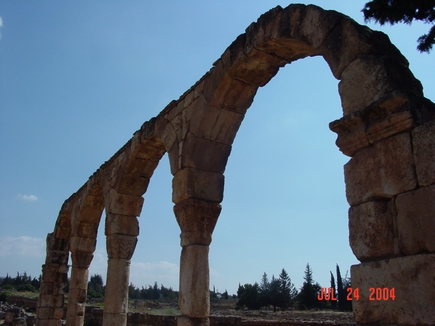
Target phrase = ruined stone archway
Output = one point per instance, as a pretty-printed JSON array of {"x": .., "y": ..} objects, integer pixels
[{"x": 387, "y": 128}]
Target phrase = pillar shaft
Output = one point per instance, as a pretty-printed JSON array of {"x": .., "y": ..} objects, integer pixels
[
  {"x": 197, "y": 219},
  {"x": 78, "y": 287},
  {"x": 120, "y": 248}
]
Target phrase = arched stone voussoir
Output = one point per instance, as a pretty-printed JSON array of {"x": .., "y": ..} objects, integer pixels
[
  {"x": 62, "y": 228},
  {"x": 137, "y": 165},
  {"x": 294, "y": 32},
  {"x": 223, "y": 91},
  {"x": 204, "y": 154},
  {"x": 121, "y": 204},
  {"x": 349, "y": 41},
  {"x": 215, "y": 124},
  {"x": 373, "y": 77}
]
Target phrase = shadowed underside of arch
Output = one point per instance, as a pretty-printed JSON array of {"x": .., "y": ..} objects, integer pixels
[{"x": 387, "y": 128}]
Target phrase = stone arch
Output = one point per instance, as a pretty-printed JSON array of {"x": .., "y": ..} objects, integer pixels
[{"x": 387, "y": 129}]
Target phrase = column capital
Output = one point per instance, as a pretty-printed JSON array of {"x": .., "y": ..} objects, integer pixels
[
  {"x": 197, "y": 219},
  {"x": 120, "y": 246}
]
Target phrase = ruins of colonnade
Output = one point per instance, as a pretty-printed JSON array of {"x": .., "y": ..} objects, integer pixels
[{"x": 387, "y": 130}]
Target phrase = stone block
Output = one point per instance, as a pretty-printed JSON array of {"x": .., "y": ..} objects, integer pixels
[
  {"x": 310, "y": 24},
  {"x": 45, "y": 313},
  {"x": 371, "y": 230},
  {"x": 82, "y": 244},
  {"x": 423, "y": 141},
  {"x": 174, "y": 158},
  {"x": 370, "y": 78},
  {"x": 63, "y": 233},
  {"x": 60, "y": 244},
  {"x": 57, "y": 256},
  {"x": 389, "y": 116},
  {"x": 120, "y": 246},
  {"x": 81, "y": 259},
  {"x": 51, "y": 301},
  {"x": 169, "y": 136},
  {"x": 58, "y": 313},
  {"x": 140, "y": 167},
  {"x": 76, "y": 299},
  {"x": 64, "y": 218},
  {"x": 89, "y": 214},
  {"x": 85, "y": 230},
  {"x": 243, "y": 62},
  {"x": 416, "y": 220},
  {"x": 79, "y": 278},
  {"x": 284, "y": 35},
  {"x": 214, "y": 124},
  {"x": 413, "y": 281},
  {"x": 204, "y": 155},
  {"x": 380, "y": 171},
  {"x": 295, "y": 32},
  {"x": 349, "y": 41},
  {"x": 122, "y": 224},
  {"x": 117, "y": 203},
  {"x": 147, "y": 150},
  {"x": 222, "y": 91},
  {"x": 194, "y": 296},
  {"x": 132, "y": 185},
  {"x": 46, "y": 288},
  {"x": 192, "y": 183}
]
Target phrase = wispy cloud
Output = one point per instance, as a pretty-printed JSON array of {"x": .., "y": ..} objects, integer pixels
[
  {"x": 22, "y": 246},
  {"x": 1, "y": 25},
  {"x": 29, "y": 198}
]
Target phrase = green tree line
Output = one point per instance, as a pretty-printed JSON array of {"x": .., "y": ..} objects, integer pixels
[
  {"x": 20, "y": 283},
  {"x": 281, "y": 293}
]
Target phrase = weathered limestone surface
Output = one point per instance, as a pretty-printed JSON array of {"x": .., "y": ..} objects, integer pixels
[
  {"x": 381, "y": 171},
  {"x": 371, "y": 230},
  {"x": 416, "y": 220},
  {"x": 387, "y": 129},
  {"x": 412, "y": 279},
  {"x": 370, "y": 78},
  {"x": 424, "y": 153}
]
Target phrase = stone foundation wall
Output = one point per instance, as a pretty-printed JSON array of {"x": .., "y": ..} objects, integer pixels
[{"x": 95, "y": 315}]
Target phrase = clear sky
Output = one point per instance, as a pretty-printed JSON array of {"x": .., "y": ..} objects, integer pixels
[{"x": 78, "y": 78}]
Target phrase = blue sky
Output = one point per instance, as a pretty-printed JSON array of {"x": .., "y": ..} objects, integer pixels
[{"x": 78, "y": 78}]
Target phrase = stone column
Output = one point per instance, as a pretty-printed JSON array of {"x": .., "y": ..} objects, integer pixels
[
  {"x": 122, "y": 229},
  {"x": 197, "y": 219},
  {"x": 54, "y": 278},
  {"x": 78, "y": 284},
  {"x": 120, "y": 248}
]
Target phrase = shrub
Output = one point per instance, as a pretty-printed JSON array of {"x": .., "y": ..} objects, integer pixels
[{"x": 26, "y": 288}]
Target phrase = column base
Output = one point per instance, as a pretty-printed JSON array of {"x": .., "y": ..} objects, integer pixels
[{"x": 188, "y": 321}]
